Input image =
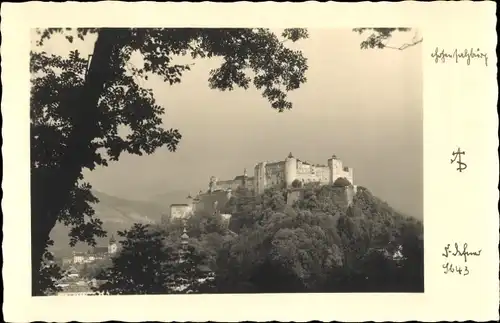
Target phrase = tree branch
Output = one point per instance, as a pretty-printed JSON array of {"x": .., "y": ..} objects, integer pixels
[{"x": 406, "y": 45}]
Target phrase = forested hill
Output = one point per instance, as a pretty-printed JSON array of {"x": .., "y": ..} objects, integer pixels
[
  {"x": 321, "y": 200},
  {"x": 318, "y": 243},
  {"x": 311, "y": 239}
]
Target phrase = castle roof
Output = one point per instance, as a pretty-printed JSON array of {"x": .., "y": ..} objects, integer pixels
[{"x": 290, "y": 155}]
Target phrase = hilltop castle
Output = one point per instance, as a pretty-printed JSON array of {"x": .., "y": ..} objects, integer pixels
[
  {"x": 285, "y": 173},
  {"x": 289, "y": 173}
]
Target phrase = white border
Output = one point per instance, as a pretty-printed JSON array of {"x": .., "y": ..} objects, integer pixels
[{"x": 459, "y": 110}]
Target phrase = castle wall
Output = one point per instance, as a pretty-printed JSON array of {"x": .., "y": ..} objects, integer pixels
[
  {"x": 347, "y": 173},
  {"x": 307, "y": 173},
  {"x": 275, "y": 176},
  {"x": 226, "y": 185},
  {"x": 250, "y": 183},
  {"x": 283, "y": 173},
  {"x": 212, "y": 202},
  {"x": 275, "y": 168},
  {"x": 234, "y": 184},
  {"x": 338, "y": 170}
]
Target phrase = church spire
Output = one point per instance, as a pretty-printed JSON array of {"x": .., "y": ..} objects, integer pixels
[{"x": 184, "y": 244}]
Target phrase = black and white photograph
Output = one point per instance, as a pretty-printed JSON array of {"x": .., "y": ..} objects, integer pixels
[{"x": 226, "y": 160}]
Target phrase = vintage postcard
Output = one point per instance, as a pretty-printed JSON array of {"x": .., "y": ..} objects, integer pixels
[{"x": 250, "y": 161}]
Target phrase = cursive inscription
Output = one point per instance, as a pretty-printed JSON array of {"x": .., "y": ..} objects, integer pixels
[
  {"x": 450, "y": 268},
  {"x": 440, "y": 55},
  {"x": 460, "y": 251}
]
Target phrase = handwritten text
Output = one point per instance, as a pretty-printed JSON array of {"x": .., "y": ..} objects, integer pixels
[
  {"x": 450, "y": 268},
  {"x": 440, "y": 55},
  {"x": 460, "y": 251}
]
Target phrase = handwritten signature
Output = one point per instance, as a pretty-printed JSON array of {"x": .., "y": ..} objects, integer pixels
[
  {"x": 462, "y": 252},
  {"x": 441, "y": 55}
]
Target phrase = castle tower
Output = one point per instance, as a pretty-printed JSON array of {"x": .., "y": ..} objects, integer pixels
[
  {"x": 184, "y": 244},
  {"x": 112, "y": 246},
  {"x": 335, "y": 169},
  {"x": 350, "y": 176},
  {"x": 290, "y": 170},
  {"x": 260, "y": 178}
]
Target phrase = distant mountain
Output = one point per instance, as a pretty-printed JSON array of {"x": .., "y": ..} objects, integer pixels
[
  {"x": 118, "y": 214},
  {"x": 172, "y": 197}
]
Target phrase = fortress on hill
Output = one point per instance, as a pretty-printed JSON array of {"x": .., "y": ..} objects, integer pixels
[
  {"x": 284, "y": 173},
  {"x": 288, "y": 173}
]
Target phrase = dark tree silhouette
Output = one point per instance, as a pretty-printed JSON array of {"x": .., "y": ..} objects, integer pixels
[
  {"x": 150, "y": 263},
  {"x": 78, "y": 106},
  {"x": 50, "y": 273},
  {"x": 143, "y": 265}
]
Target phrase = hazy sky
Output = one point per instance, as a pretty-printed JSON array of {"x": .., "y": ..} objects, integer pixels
[{"x": 365, "y": 106}]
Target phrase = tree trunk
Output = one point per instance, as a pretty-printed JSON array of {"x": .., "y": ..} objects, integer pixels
[{"x": 51, "y": 187}]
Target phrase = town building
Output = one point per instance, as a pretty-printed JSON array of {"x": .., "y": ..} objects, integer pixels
[{"x": 97, "y": 253}]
